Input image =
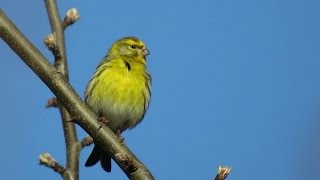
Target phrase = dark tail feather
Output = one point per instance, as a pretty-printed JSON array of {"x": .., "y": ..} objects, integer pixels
[
  {"x": 96, "y": 155},
  {"x": 105, "y": 161}
]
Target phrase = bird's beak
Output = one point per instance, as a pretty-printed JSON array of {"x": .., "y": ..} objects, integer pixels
[{"x": 145, "y": 52}]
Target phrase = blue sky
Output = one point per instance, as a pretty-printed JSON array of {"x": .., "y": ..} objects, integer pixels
[{"x": 234, "y": 83}]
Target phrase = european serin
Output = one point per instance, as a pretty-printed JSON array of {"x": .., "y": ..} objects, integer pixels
[{"x": 119, "y": 90}]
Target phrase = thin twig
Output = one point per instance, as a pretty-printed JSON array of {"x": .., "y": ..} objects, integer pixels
[
  {"x": 59, "y": 85},
  {"x": 47, "y": 160},
  {"x": 58, "y": 33},
  {"x": 71, "y": 140},
  {"x": 87, "y": 141}
]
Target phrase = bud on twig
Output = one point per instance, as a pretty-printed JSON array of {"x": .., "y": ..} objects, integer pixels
[
  {"x": 47, "y": 160},
  {"x": 50, "y": 41},
  {"x": 71, "y": 17},
  {"x": 223, "y": 172},
  {"x": 53, "y": 102}
]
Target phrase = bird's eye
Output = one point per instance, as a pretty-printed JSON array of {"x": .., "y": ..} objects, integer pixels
[{"x": 133, "y": 46}]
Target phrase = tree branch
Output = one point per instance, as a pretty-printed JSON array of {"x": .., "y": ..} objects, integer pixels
[
  {"x": 70, "y": 134},
  {"x": 47, "y": 160},
  {"x": 58, "y": 32},
  {"x": 59, "y": 85}
]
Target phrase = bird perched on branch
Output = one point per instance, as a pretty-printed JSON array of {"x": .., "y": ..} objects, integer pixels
[{"x": 120, "y": 91}]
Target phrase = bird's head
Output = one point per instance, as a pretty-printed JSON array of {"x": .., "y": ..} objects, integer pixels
[{"x": 129, "y": 47}]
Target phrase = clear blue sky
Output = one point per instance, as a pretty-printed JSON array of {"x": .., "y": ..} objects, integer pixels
[{"x": 234, "y": 83}]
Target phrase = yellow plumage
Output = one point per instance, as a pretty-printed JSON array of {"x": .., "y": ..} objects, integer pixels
[{"x": 119, "y": 90}]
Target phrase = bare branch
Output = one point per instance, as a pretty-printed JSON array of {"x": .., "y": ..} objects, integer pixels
[
  {"x": 58, "y": 32},
  {"x": 57, "y": 45},
  {"x": 59, "y": 85},
  {"x": 87, "y": 141},
  {"x": 47, "y": 160}
]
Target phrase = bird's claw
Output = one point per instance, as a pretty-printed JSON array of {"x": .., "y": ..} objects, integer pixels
[
  {"x": 102, "y": 120},
  {"x": 119, "y": 136}
]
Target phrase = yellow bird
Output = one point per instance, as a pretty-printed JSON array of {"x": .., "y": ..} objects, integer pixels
[{"x": 120, "y": 91}]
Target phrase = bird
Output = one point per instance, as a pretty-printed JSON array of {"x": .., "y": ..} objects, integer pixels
[{"x": 120, "y": 91}]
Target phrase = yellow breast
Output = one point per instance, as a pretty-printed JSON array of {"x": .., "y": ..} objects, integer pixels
[{"x": 120, "y": 91}]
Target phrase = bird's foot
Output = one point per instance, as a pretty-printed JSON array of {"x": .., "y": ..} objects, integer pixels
[
  {"x": 102, "y": 120},
  {"x": 119, "y": 136}
]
